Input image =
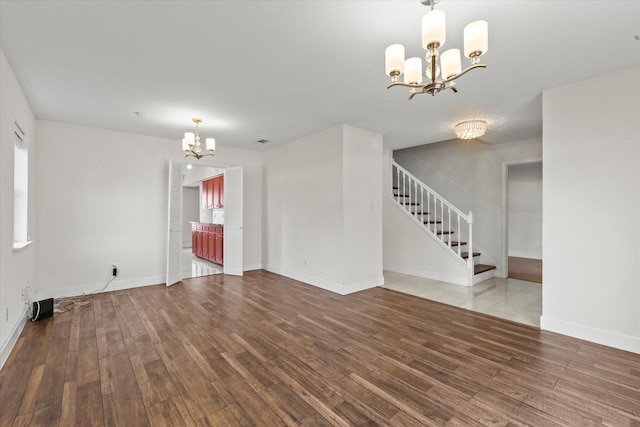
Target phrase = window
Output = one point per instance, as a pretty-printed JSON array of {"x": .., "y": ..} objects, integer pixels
[{"x": 20, "y": 190}]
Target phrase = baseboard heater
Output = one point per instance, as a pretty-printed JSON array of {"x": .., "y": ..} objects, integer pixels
[{"x": 42, "y": 309}]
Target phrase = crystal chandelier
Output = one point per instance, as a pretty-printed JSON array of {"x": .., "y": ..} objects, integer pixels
[
  {"x": 470, "y": 129},
  {"x": 191, "y": 143},
  {"x": 433, "y": 37}
]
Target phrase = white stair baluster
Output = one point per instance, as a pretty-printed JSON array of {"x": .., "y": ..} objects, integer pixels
[
  {"x": 442, "y": 219},
  {"x": 470, "y": 246},
  {"x": 459, "y": 234},
  {"x": 415, "y": 199},
  {"x": 397, "y": 183},
  {"x": 422, "y": 204},
  {"x": 449, "y": 225}
]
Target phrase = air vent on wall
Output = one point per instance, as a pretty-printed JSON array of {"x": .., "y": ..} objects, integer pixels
[{"x": 262, "y": 141}]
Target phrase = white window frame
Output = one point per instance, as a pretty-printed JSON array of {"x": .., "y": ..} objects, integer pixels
[{"x": 21, "y": 236}]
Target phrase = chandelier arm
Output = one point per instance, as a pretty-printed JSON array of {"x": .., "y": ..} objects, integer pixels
[
  {"x": 413, "y": 86},
  {"x": 414, "y": 94},
  {"x": 473, "y": 67},
  {"x": 198, "y": 156}
]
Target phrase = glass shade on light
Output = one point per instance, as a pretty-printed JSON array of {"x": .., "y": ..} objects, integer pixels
[
  {"x": 471, "y": 129},
  {"x": 189, "y": 138},
  {"x": 433, "y": 29},
  {"x": 450, "y": 63},
  {"x": 394, "y": 59},
  {"x": 185, "y": 146},
  {"x": 413, "y": 70},
  {"x": 211, "y": 144},
  {"x": 476, "y": 38}
]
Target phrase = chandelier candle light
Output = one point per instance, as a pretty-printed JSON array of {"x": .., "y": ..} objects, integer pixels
[
  {"x": 433, "y": 37},
  {"x": 191, "y": 143}
]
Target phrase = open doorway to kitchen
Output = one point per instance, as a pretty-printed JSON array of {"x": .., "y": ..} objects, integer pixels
[
  {"x": 228, "y": 223},
  {"x": 194, "y": 211}
]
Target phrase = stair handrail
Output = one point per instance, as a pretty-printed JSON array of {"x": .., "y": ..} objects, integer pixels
[{"x": 413, "y": 195}]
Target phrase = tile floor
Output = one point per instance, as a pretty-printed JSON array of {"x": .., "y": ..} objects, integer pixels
[
  {"x": 510, "y": 299},
  {"x": 192, "y": 266}
]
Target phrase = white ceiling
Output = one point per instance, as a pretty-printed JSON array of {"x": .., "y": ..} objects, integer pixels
[{"x": 280, "y": 70}]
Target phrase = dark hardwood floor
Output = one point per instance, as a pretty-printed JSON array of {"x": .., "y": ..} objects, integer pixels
[
  {"x": 265, "y": 350},
  {"x": 525, "y": 269}
]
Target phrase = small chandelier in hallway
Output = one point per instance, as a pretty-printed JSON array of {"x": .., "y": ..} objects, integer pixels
[
  {"x": 191, "y": 143},
  {"x": 470, "y": 129},
  {"x": 433, "y": 37}
]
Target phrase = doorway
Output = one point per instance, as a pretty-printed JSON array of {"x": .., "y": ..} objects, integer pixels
[
  {"x": 232, "y": 224},
  {"x": 522, "y": 213},
  {"x": 192, "y": 211}
]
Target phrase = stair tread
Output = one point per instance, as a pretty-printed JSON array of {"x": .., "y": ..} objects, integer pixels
[
  {"x": 441, "y": 232},
  {"x": 457, "y": 243},
  {"x": 465, "y": 255},
  {"x": 432, "y": 222},
  {"x": 481, "y": 268}
]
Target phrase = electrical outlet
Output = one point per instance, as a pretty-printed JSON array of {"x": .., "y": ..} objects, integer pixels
[
  {"x": 114, "y": 269},
  {"x": 26, "y": 294}
]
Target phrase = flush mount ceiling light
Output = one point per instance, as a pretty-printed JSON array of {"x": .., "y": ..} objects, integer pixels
[
  {"x": 433, "y": 37},
  {"x": 191, "y": 143},
  {"x": 471, "y": 129}
]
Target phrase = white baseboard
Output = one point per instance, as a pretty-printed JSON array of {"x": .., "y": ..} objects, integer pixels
[
  {"x": 250, "y": 267},
  {"x": 481, "y": 277},
  {"x": 13, "y": 338},
  {"x": 599, "y": 336},
  {"x": 530, "y": 255},
  {"x": 456, "y": 280},
  {"x": 339, "y": 288},
  {"x": 116, "y": 285}
]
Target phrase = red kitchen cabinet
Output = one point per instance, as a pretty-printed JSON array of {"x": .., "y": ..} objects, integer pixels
[
  {"x": 219, "y": 238},
  {"x": 218, "y": 192},
  {"x": 207, "y": 194},
  {"x": 208, "y": 242},
  {"x": 211, "y": 243},
  {"x": 194, "y": 239},
  {"x": 213, "y": 193}
]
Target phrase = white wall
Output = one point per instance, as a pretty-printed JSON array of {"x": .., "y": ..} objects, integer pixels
[
  {"x": 102, "y": 198},
  {"x": 525, "y": 210},
  {"x": 320, "y": 222},
  {"x": 362, "y": 206},
  {"x": 17, "y": 268},
  {"x": 591, "y": 277},
  {"x": 476, "y": 165}
]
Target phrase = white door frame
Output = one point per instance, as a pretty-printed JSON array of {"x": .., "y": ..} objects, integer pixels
[{"x": 505, "y": 207}]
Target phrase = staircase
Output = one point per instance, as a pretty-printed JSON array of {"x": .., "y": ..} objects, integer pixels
[{"x": 449, "y": 226}]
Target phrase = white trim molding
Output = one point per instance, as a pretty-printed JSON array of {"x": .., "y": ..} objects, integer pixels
[
  {"x": 338, "y": 288},
  {"x": 443, "y": 277},
  {"x": 11, "y": 341},
  {"x": 587, "y": 333}
]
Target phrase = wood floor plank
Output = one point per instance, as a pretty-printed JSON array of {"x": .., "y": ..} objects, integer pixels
[{"x": 263, "y": 349}]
